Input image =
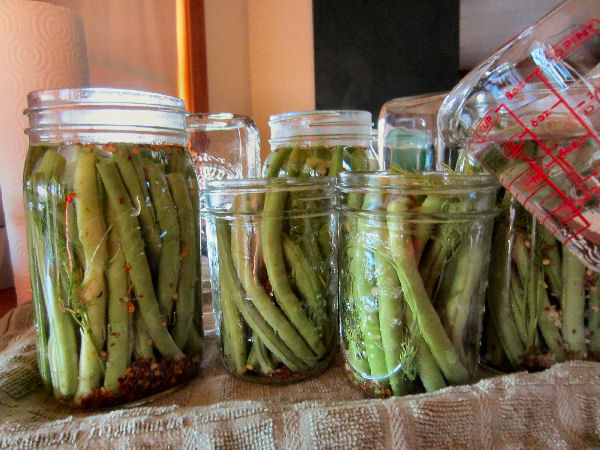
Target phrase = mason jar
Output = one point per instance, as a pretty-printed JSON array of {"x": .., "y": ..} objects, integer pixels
[
  {"x": 272, "y": 256},
  {"x": 543, "y": 305},
  {"x": 111, "y": 204},
  {"x": 320, "y": 143},
  {"x": 413, "y": 258},
  {"x": 222, "y": 145},
  {"x": 408, "y": 136}
]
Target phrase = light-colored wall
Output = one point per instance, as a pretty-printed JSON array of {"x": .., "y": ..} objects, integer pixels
[
  {"x": 131, "y": 43},
  {"x": 487, "y": 24},
  {"x": 260, "y": 58},
  {"x": 227, "y": 56}
]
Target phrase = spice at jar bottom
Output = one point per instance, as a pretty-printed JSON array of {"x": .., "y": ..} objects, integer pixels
[
  {"x": 414, "y": 251},
  {"x": 113, "y": 236}
]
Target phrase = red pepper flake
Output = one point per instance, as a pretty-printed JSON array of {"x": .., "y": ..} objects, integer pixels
[
  {"x": 136, "y": 151},
  {"x": 121, "y": 200},
  {"x": 130, "y": 307},
  {"x": 184, "y": 254},
  {"x": 127, "y": 267}
]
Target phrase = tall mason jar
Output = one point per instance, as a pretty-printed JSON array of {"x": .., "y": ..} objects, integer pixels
[
  {"x": 330, "y": 141},
  {"x": 274, "y": 293},
  {"x": 111, "y": 204},
  {"x": 413, "y": 258}
]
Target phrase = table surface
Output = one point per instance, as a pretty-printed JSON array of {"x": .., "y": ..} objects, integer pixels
[{"x": 557, "y": 408}]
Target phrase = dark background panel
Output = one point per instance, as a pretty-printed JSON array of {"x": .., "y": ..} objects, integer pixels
[{"x": 368, "y": 52}]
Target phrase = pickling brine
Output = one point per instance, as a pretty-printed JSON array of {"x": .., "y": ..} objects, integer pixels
[{"x": 113, "y": 239}]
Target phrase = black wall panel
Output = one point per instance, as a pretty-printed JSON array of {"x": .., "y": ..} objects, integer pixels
[{"x": 368, "y": 52}]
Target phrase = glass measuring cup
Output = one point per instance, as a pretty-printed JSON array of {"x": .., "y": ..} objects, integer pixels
[{"x": 530, "y": 115}]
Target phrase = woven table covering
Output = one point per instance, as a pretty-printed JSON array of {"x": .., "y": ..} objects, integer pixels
[{"x": 557, "y": 408}]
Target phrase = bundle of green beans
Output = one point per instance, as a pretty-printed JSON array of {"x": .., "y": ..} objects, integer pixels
[
  {"x": 414, "y": 251},
  {"x": 275, "y": 283},
  {"x": 543, "y": 303},
  {"x": 113, "y": 236}
]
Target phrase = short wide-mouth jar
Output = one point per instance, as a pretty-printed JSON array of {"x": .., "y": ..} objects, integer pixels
[
  {"x": 413, "y": 258},
  {"x": 112, "y": 215},
  {"x": 272, "y": 255}
]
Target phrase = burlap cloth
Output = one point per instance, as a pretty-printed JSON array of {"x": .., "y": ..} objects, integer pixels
[{"x": 558, "y": 408}]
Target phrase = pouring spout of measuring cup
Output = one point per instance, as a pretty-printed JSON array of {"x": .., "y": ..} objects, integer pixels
[{"x": 530, "y": 114}]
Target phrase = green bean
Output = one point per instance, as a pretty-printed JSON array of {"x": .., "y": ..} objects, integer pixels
[
  {"x": 414, "y": 291},
  {"x": 258, "y": 312},
  {"x": 427, "y": 368},
  {"x": 573, "y": 305},
  {"x": 274, "y": 262},
  {"x": 168, "y": 270},
  {"x": 593, "y": 319},
  {"x": 550, "y": 332},
  {"x": 39, "y": 307},
  {"x": 62, "y": 360},
  {"x": 498, "y": 297},
  {"x": 391, "y": 312},
  {"x": 184, "y": 307},
  {"x": 139, "y": 271},
  {"x": 275, "y": 161},
  {"x": 365, "y": 305},
  {"x": 552, "y": 262},
  {"x": 128, "y": 168},
  {"x": 307, "y": 283},
  {"x": 336, "y": 161},
  {"x": 143, "y": 348},
  {"x": 232, "y": 329},
  {"x": 194, "y": 345},
  {"x": 263, "y": 359},
  {"x": 117, "y": 341},
  {"x": 92, "y": 234},
  {"x": 194, "y": 192}
]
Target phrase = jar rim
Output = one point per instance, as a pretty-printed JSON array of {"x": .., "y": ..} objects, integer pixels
[
  {"x": 328, "y": 116},
  {"x": 237, "y": 185},
  {"x": 397, "y": 182},
  {"x": 217, "y": 121},
  {"x": 95, "y": 96},
  {"x": 346, "y": 138},
  {"x": 105, "y": 115}
]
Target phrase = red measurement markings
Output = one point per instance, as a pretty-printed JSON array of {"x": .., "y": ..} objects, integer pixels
[
  {"x": 590, "y": 104},
  {"x": 567, "y": 169},
  {"x": 485, "y": 125},
  {"x": 534, "y": 176},
  {"x": 576, "y": 39}
]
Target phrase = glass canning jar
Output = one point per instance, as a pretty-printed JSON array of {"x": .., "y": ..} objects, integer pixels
[
  {"x": 413, "y": 258},
  {"x": 224, "y": 145},
  {"x": 272, "y": 253},
  {"x": 111, "y": 204},
  {"x": 331, "y": 140},
  {"x": 543, "y": 303}
]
